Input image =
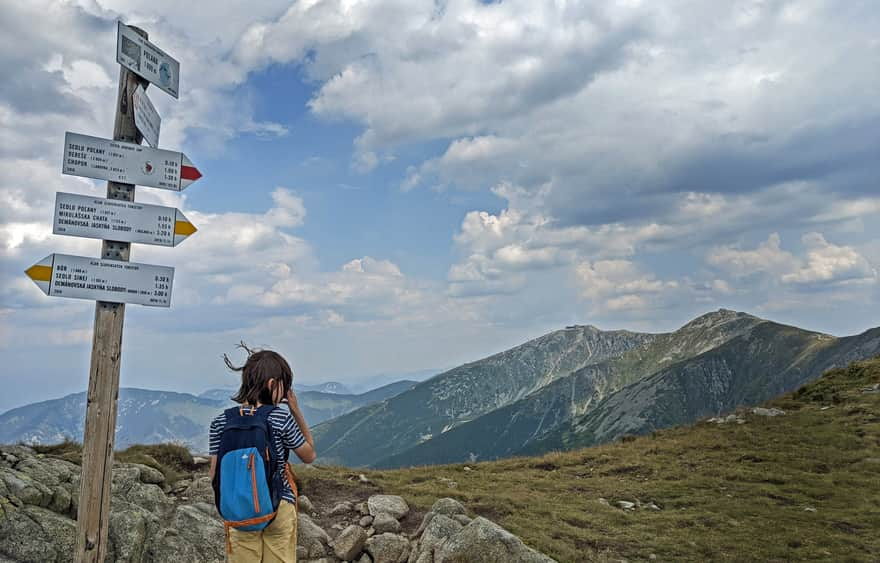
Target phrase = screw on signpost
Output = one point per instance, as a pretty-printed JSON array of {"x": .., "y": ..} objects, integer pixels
[{"x": 92, "y": 521}]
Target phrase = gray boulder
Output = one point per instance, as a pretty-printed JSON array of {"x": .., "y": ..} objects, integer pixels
[
  {"x": 487, "y": 542},
  {"x": 130, "y": 528},
  {"x": 388, "y": 548},
  {"x": 349, "y": 543},
  {"x": 32, "y": 534},
  {"x": 192, "y": 536},
  {"x": 385, "y": 523},
  {"x": 388, "y": 504},
  {"x": 438, "y": 530},
  {"x": 312, "y": 537},
  {"x": 448, "y": 506}
]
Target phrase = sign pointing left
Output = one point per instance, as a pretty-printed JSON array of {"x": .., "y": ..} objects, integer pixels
[
  {"x": 114, "y": 281},
  {"x": 127, "y": 163}
]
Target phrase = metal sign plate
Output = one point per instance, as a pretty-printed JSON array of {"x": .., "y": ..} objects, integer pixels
[
  {"x": 146, "y": 118},
  {"x": 146, "y": 60}
]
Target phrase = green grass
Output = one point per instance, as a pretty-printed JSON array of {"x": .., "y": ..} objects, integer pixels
[
  {"x": 727, "y": 492},
  {"x": 175, "y": 462}
]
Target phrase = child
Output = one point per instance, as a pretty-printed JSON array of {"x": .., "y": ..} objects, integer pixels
[{"x": 266, "y": 379}]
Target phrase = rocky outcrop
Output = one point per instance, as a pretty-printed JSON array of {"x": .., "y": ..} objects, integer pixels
[{"x": 39, "y": 500}]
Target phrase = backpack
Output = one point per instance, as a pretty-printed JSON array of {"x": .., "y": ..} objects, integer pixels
[{"x": 247, "y": 484}]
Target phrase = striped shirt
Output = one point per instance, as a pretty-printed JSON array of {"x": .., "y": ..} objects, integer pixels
[{"x": 286, "y": 435}]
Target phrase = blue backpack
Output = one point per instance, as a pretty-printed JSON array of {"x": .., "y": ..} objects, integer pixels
[{"x": 247, "y": 484}]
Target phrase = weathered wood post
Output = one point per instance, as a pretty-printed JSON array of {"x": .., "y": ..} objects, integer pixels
[{"x": 92, "y": 521}]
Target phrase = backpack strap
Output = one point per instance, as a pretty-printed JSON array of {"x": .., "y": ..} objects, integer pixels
[{"x": 227, "y": 525}]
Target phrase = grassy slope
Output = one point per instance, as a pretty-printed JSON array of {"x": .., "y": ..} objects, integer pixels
[{"x": 728, "y": 492}]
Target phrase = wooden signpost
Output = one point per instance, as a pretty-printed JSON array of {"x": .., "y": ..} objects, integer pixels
[{"x": 112, "y": 280}]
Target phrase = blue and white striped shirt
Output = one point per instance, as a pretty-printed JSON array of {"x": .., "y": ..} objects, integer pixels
[{"x": 286, "y": 434}]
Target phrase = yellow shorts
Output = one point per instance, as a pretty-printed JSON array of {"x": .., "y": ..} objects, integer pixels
[{"x": 274, "y": 544}]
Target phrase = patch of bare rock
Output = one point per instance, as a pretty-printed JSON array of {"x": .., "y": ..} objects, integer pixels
[{"x": 152, "y": 522}]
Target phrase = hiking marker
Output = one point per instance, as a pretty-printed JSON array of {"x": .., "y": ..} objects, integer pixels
[
  {"x": 125, "y": 221},
  {"x": 141, "y": 57},
  {"x": 113, "y": 281},
  {"x": 127, "y": 163},
  {"x": 146, "y": 118}
]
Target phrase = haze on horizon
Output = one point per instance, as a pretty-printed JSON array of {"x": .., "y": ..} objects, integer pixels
[{"x": 391, "y": 186}]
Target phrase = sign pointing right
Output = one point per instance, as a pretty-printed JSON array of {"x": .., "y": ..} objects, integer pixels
[
  {"x": 127, "y": 163},
  {"x": 119, "y": 220}
]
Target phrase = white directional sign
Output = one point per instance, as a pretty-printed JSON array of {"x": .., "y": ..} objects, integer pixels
[
  {"x": 146, "y": 118},
  {"x": 114, "y": 281},
  {"x": 127, "y": 163},
  {"x": 146, "y": 60},
  {"x": 123, "y": 221}
]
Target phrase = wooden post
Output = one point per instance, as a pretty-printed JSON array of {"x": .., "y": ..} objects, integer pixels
[{"x": 100, "y": 428}]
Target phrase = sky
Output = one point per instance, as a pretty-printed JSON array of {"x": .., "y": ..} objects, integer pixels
[{"x": 393, "y": 186}]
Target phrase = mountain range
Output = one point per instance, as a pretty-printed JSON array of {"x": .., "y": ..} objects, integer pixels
[
  {"x": 581, "y": 386},
  {"x": 150, "y": 417}
]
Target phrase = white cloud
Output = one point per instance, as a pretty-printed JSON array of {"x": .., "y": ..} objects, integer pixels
[{"x": 827, "y": 262}]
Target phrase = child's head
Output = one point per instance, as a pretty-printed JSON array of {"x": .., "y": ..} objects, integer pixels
[{"x": 265, "y": 377}]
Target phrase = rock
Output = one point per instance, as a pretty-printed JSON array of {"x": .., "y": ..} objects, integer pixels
[
  {"x": 363, "y": 478},
  {"x": 25, "y": 488},
  {"x": 312, "y": 537},
  {"x": 449, "y": 482},
  {"x": 150, "y": 497},
  {"x": 761, "y": 411},
  {"x": 304, "y": 504},
  {"x": 365, "y": 521},
  {"x": 871, "y": 389},
  {"x": 438, "y": 530},
  {"x": 201, "y": 460},
  {"x": 49, "y": 471},
  {"x": 192, "y": 536},
  {"x": 365, "y": 558},
  {"x": 130, "y": 528},
  {"x": 462, "y": 519},
  {"x": 604, "y": 502},
  {"x": 425, "y": 557},
  {"x": 343, "y": 507},
  {"x": 626, "y": 505},
  {"x": 338, "y": 526},
  {"x": 651, "y": 506},
  {"x": 362, "y": 508},
  {"x": 200, "y": 490},
  {"x": 61, "y": 500},
  {"x": 388, "y": 504},
  {"x": 466, "y": 468},
  {"x": 385, "y": 523},
  {"x": 487, "y": 542},
  {"x": 349, "y": 543},
  {"x": 32, "y": 534},
  {"x": 448, "y": 506},
  {"x": 301, "y": 552},
  {"x": 388, "y": 548},
  {"x": 149, "y": 475},
  {"x": 809, "y": 509},
  {"x": 371, "y": 531},
  {"x": 425, "y": 521}
]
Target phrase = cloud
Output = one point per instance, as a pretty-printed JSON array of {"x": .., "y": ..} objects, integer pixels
[{"x": 824, "y": 263}]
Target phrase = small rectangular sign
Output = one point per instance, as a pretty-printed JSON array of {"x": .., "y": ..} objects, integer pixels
[
  {"x": 124, "y": 221},
  {"x": 146, "y": 118},
  {"x": 114, "y": 281},
  {"x": 146, "y": 60},
  {"x": 127, "y": 163}
]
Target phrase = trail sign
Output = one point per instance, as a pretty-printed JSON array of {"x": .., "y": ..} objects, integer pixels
[
  {"x": 113, "y": 281},
  {"x": 127, "y": 163},
  {"x": 146, "y": 60},
  {"x": 146, "y": 118},
  {"x": 119, "y": 220}
]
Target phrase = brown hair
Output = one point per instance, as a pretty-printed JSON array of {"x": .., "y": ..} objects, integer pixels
[{"x": 260, "y": 367}]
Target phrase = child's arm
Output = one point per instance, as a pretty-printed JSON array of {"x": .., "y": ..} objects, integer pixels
[{"x": 306, "y": 452}]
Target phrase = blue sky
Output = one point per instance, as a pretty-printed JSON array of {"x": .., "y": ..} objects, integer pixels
[{"x": 393, "y": 186}]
